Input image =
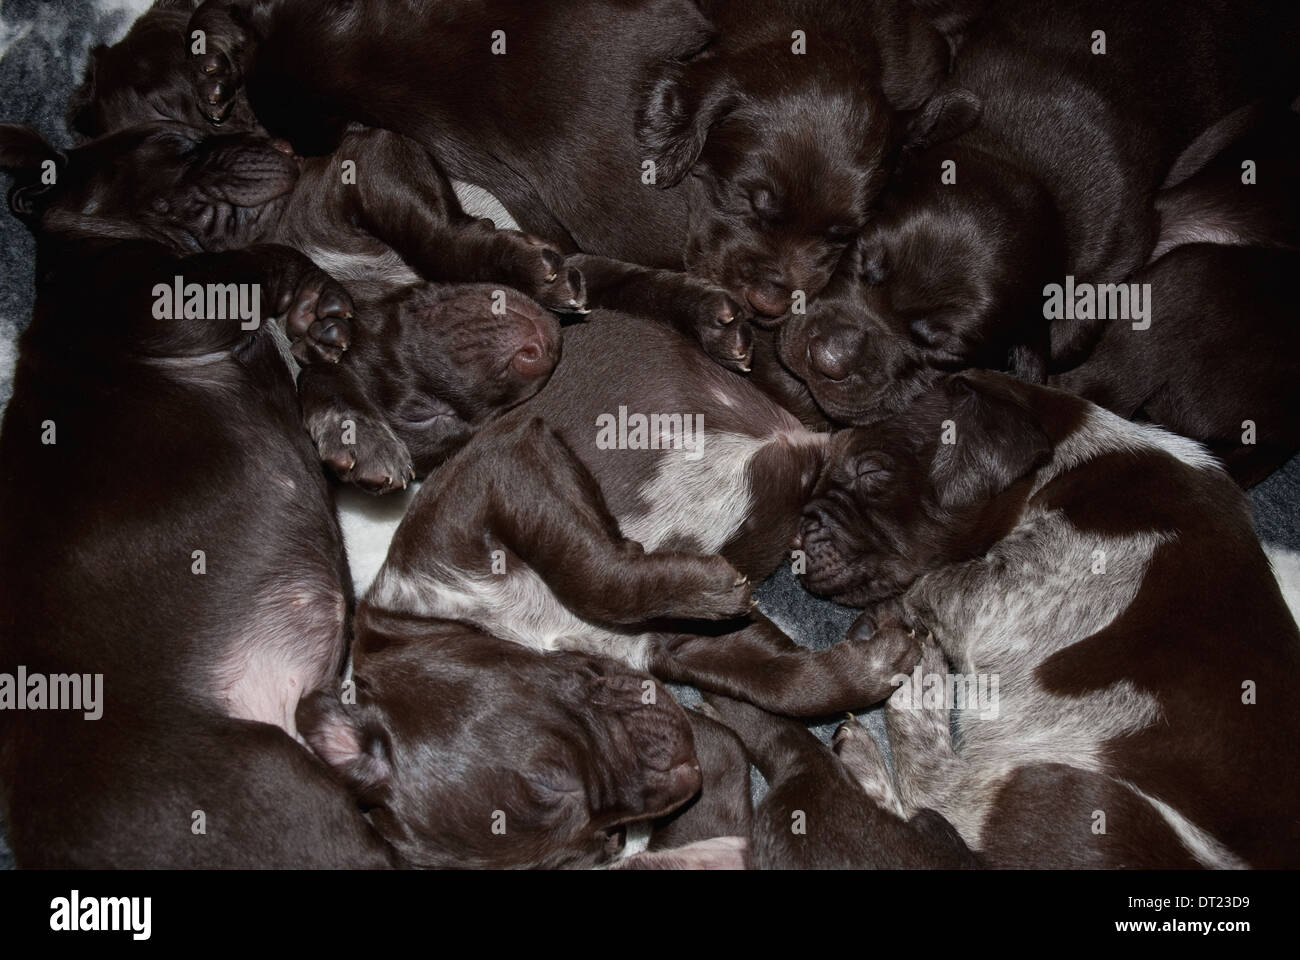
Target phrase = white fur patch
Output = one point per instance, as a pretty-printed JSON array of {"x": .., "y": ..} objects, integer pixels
[
  {"x": 1206, "y": 850},
  {"x": 705, "y": 499},
  {"x": 1286, "y": 568},
  {"x": 1104, "y": 432},
  {"x": 477, "y": 202}
]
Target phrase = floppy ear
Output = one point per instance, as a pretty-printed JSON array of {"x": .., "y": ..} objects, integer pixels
[
  {"x": 674, "y": 119},
  {"x": 35, "y": 165},
  {"x": 356, "y": 749},
  {"x": 914, "y": 56},
  {"x": 23, "y": 150},
  {"x": 997, "y": 441},
  {"x": 80, "y": 118},
  {"x": 945, "y": 115}
]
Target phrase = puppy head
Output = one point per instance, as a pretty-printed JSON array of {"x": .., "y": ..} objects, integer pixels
[
  {"x": 145, "y": 78},
  {"x": 166, "y": 182},
  {"x": 476, "y": 752},
  {"x": 785, "y": 154},
  {"x": 945, "y": 278},
  {"x": 936, "y": 484},
  {"x": 469, "y": 352}
]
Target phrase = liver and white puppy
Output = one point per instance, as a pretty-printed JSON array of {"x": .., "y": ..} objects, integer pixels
[
  {"x": 1056, "y": 178},
  {"x": 1217, "y": 362},
  {"x": 193, "y": 428},
  {"x": 567, "y": 535},
  {"x": 1107, "y": 575},
  {"x": 833, "y": 809}
]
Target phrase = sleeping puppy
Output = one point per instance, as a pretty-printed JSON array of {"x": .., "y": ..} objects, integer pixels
[
  {"x": 833, "y": 809},
  {"x": 591, "y": 518},
  {"x": 553, "y": 783},
  {"x": 1056, "y": 179},
  {"x": 782, "y": 133},
  {"x": 197, "y": 586},
  {"x": 194, "y": 425},
  {"x": 1217, "y": 362},
  {"x": 377, "y": 210},
  {"x": 714, "y": 173},
  {"x": 1106, "y": 576},
  {"x": 450, "y": 355}
]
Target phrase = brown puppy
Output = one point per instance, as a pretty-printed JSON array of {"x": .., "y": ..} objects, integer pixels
[
  {"x": 1083, "y": 110},
  {"x": 523, "y": 532},
  {"x": 745, "y": 116},
  {"x": 377, "y": 207},
  {"x": 1216, "y": 362},
  {"x": 833, "y": 809},
  {"x": 1104, "y": 578},
  {"x": 199, "y": 582}
]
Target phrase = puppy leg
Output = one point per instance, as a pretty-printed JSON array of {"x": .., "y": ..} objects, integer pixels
[
  {"x": 861, "y": 756},
  {"x": 925, "y": 765},
  {"x": 565, "y": 532},
  {"x": 761, "y": 665},
  {"x": 352, "y": 437},
  {"x": 406, "y": 201},
  {"x": 694, "y": 307}
]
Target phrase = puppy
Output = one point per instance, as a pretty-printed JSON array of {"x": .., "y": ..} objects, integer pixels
[
  {"x": 199, "y": 581},
  {"x": 538, "y": 530},
  {"x": 551, "y": 782},
  {"x": 191, "y": 731},
  {"x": 1055, "y": 179},
  {"x": 1215, "y": 363},
  {"x": 377, "y": 211},
  {"x": 833, "y": 809},
  {"x": 1102, "y": 581},
  {"x": 452, "y": 355},
  {"x": 781, "y": 133},
  {"x": 750, "y": 228}
]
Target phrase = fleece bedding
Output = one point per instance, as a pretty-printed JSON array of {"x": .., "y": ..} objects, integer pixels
[{"x": 43, "y": 49}]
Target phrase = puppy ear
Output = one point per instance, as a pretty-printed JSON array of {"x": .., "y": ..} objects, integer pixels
[
  {"x": 358, "y": 751},
  {"x": 23, "y": 150},
  {"x": 944, "y": 116},
  {"x": 914, "y": 56},
  {"x": 674, "y": 120},
  {"x": 80, "y": 116},
  {"x": 997, "y": 441},
  {"x": 35, "y": 165}
]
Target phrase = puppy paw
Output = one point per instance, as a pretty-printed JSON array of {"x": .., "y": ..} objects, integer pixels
[
  {"x": 215, "y": 83},
  {"x": 533, "y": 267},
  {"x": 722, "y": 592},
  {"x": 317, "y": 315},
  {"x": 722, "y": 331},
  {"x": 885, "y": 648},
  {"x": 361, "y": 450},
  {"x": 861, "y": 756},
  {"x": 215, "y": 72}
]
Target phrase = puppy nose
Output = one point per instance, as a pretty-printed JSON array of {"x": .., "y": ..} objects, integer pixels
[
  {"x": 830, "y": 356},
  {"x": 769, "y": 299}
]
